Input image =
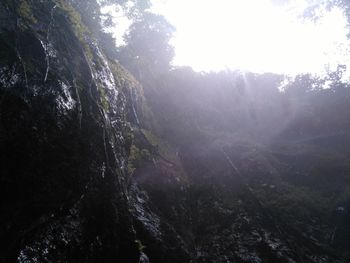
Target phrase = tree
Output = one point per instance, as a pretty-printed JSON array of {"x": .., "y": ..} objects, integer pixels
[
  {"x": 147, "y": 50},
  {"x": 96, "y": 21}
]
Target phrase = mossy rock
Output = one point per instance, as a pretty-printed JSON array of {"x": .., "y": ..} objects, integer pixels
[{"x": 26, "y": 12}]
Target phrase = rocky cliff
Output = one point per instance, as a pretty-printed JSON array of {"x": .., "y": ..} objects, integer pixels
[
  {"x": 64, "y": 140},
  {"x": 86, "y": 174}
]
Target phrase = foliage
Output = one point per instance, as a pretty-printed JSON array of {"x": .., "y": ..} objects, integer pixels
[
  {"x": 138, "y": 158},
  {"x": 117, "y": 69},
  {"x": 79, "y": 28},
  {"x": 96, "y": 21},
  {"x": 147, "y": 52},
  {"x": 140, "y": 246},
  {"x": 25, "y": 12},
  {"x": 163, "y": 147}
]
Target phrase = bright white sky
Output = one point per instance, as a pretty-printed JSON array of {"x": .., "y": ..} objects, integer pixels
[{"x": 254, "y": 35}]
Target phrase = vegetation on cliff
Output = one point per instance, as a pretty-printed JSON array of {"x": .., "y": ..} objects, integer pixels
[{"x": 111, "y": 154}]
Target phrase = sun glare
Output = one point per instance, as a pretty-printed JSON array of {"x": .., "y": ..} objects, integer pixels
[{"x": 255, "y": 35}]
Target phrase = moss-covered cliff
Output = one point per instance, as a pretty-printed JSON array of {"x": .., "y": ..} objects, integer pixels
[{"x": 64, "y": 141}]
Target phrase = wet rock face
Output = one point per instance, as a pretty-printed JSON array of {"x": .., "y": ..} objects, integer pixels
[
  {"x": 65, "y": 195},
  {"x": 62, "y": 141},
  {"x": 64, "y": 191},
  {"x": 232, "y": 211},
  {"x": 341, "y": 234}
]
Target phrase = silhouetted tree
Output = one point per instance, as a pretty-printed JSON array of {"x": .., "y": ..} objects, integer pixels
[
  {"x": 96, "y": 21},
  {"x": 147, "y": 51}
]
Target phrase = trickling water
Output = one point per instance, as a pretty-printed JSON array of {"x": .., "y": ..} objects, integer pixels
[
  {"x": 65, "y": 102},
  {"x": 132, "y": 97},
  {"x": 24, "y": 67},
  {"x": 7, "y": 78},
  {"x": 49, "y": 52},
  {"x": 48, "y": 48},
  {"x": 80, "y": 110},
  {"x": 104, "y": 74}
]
